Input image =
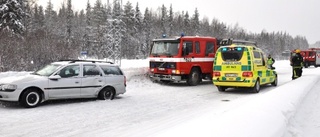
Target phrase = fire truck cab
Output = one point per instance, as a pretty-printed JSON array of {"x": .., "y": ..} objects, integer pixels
[{"x": 185, "y": 58}]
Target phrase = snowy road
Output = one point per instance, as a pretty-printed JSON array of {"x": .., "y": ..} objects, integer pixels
[{"x": 144, "y": 110}]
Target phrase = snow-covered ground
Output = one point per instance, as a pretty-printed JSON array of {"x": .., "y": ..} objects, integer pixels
[{"x": 153, "y": 109}]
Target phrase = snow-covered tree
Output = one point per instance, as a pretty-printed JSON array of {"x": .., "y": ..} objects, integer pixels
[
  {"x": 187, "y": 24},
  {"x": 11, "y": 16},
  {"x": 69, "y": 21},
  {"x": 163, "y": 20},
  {"x": 195, "y": 23},
  {"x": 146, "y": 32},
  {"x": 170, "y": 21}
]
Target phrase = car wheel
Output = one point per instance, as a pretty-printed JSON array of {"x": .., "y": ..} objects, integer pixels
[
  {"x": 106, "y": 94},
  {"x": 256, "y": 87},
  {"x": 194, "y": 77},
  {"x": 275, "y": 82},
  {"x": 221, "y": 89},
  {"x": 30, "y": 98}
]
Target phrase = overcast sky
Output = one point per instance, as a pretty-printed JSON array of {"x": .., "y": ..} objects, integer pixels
[{"x": 297, "y": 17}]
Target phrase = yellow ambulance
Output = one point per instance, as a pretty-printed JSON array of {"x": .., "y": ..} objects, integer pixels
[{"x": 239, "y": 64}]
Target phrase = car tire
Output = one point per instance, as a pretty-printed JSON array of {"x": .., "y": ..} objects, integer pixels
[
  {"x": 194, "y": 77},
  {"x": 106, "y": 94},
  {"x": 30, "y": 98},
  {"x": 221, "y": 88},
  {"x": 275, "y": 82},
  {"x": 256, "y": 88}
]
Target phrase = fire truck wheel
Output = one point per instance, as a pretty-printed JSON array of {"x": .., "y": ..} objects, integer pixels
[
  {"x": 306, "y": 65},
  {"x": 194, "y": 77}
]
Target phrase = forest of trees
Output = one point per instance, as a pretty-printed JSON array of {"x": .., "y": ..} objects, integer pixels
[{"x": 32, "y": 36}]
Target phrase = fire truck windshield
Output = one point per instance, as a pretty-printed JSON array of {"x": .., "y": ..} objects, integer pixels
[{"x": 165, "y": 48}]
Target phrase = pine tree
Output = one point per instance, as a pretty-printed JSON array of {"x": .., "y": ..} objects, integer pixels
[
  {"x": 138, "y": 31},
  {"x": 88, "y": 14},
  {"x": 164, "y": 18},
  {"x": 195, "y": 23},
  {"x": 11, "y": 16},
  {"x": 129, "y": 43},
  {"x": 147, "y": 32},
  {"x": 69, "y": 22},
  {"x": 187, "y": 24},
  {"x": 170, "y": 21},
  {"x": 178, "y": 24},
  {"x": 51, "y": 19}
]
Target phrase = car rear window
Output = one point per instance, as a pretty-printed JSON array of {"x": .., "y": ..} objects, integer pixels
[
  {"x": 111, "y": 70},
  {"x": 232, "y": 53}
]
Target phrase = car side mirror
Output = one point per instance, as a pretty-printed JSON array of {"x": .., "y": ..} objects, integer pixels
[{"x": 55, "y": 77}]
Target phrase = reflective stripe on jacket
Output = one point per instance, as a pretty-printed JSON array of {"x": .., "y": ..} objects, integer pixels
[{"x": 270, "y": 61}]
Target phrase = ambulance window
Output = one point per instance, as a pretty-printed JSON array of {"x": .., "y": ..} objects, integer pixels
[
  {"x": 197, "y": 47},
  {"x": 263, "y": 60},
  {"x": 209, "y": 48},
  {"x": 256, "y": 54},
  {"x": 232, "y": 53}
]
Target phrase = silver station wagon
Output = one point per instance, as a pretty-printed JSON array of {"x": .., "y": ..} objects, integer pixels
[{"x": 65, "y": 80}]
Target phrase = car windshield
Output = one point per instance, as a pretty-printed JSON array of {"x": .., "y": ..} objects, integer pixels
[
  {"x": 47, "y": 70},
  {"x": 165, "y": 48}
]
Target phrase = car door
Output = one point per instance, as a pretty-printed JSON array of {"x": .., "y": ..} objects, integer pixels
[
  {"x": 92, "y": 80},
  {"x": 261, "y": 66},
  {"x": 68, "y": 86},
  {"x": 114, "y": 77}
]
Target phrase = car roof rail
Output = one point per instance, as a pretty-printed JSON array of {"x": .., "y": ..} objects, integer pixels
[
  {"x": 225, "y": 42},
  {"x": 93, "y": 61}
]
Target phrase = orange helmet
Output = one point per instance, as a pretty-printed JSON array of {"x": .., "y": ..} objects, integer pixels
[{"x": 298, "y": 51}]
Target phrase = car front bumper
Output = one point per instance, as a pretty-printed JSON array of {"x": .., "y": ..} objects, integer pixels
[{"x": 9, "y": 96}]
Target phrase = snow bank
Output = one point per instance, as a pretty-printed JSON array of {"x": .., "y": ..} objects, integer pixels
[
  {"x": 264, "y": 116},
  {"x": 135, "y": 67}
]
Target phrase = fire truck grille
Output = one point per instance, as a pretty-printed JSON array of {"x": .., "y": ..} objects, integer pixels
[{"x": 168, "y": 65}]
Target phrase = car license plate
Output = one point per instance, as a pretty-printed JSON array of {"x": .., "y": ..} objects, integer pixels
[
  {"x": 231, "y": 79},
  {"x": 231, "y": 74},
  {"x": 161, "y": 69}
]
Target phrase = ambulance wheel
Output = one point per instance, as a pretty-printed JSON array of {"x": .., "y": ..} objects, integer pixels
[
  {"x": 275, "y": 82},
  {"x": 256, "y": 87},
  {"x": 221, "y": 89},
  {"x": 194, "y": 77}
]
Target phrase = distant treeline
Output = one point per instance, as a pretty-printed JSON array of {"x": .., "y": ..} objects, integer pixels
[{"x": 38, "y": 35}]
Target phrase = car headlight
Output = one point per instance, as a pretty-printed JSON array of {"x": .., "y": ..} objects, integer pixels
[{"x": 8, "y": 87}]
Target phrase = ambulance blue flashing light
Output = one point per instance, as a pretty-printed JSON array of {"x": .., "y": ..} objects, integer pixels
[{"x": 164, "y": 35}]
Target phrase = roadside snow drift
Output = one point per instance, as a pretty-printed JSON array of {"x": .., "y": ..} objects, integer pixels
[{"x": 265, "y": 116}]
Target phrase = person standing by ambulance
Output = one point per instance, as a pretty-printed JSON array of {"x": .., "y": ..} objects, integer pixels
[
  {"x": 297, "y": 64},
  {"x": 270, "y": 62}
]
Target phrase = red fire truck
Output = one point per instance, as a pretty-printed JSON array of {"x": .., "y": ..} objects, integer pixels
[
  {"x": 311, "y": 57},
  {"x": 185, "y": 58}
]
